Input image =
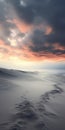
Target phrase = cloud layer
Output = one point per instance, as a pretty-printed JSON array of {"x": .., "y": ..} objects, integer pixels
[{"x": 36, "y": 28}]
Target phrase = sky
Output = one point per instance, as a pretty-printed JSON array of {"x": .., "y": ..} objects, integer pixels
[{"x": 32, "y": 34}]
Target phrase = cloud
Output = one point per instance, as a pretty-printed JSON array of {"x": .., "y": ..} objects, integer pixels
[
  {"x": 2, "y": 12},
  {"x": 40, "y": 45},
  {"x": 35, "y": 27},
  {"x": 9, "y": 31},
  {"x": 50, "y": 12}
]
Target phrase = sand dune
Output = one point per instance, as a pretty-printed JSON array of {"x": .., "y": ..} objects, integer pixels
[{"x": 32, "y": 100}]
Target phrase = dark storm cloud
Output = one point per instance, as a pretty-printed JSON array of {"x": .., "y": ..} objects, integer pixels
[
  {"x": 29, "y": 10},
  {"x": 38, "y": 39},
  {"x": 50, "y": 11},
  {"x": 44, "y": 43}
]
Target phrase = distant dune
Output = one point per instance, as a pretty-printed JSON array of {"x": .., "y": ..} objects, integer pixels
[{"x": 12, "y": 74}]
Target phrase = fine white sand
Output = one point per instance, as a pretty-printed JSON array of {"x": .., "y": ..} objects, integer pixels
[{"x": 32, "y": 100}]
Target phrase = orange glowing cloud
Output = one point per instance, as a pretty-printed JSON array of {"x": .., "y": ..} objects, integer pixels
[
  {"x": 1, "y": 42},
  {"x": 48, "y": 30},
  {"x": 23, "y": 27},
  {"x": 26, "y": 54},
  {"x": 58, "y": 47}
]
